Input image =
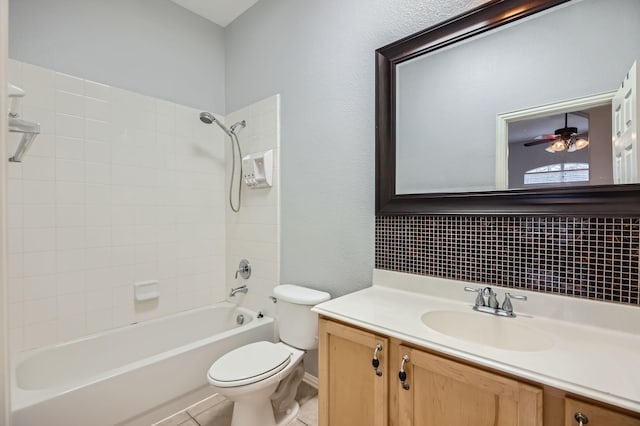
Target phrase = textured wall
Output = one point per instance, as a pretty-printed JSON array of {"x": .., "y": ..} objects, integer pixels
[
  {"x": 320, "y": 57},
  {"x": 153, "y": 47}
]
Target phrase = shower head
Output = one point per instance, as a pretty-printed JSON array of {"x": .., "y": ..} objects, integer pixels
[{"x": 208, "y": 118}]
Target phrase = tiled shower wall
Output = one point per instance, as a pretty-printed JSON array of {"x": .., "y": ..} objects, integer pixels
[
  {"x": 594, "y": 258},
  {"x": 119, "y": 188},
  {"x": 254, "y": 232}
]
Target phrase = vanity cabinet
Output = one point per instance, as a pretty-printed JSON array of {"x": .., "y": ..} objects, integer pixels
[
  {"x": 437, "y": 390},
  {"x": 352, "y": 391},
  {"x": 596, "y": 415}
]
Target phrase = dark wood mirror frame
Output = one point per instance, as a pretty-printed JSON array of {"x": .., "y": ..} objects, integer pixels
[{"x": 605, "y": 200}]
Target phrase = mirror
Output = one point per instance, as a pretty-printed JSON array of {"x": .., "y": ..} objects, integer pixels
[{"x": 465, "y": 110}]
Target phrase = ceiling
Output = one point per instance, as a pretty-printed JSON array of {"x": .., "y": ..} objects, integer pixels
[
  {"x": 221, "y": 12},
  {"x": 527, "y": 130}
]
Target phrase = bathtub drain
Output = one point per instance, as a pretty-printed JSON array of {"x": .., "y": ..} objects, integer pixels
[{"x": 240, "y": 319}]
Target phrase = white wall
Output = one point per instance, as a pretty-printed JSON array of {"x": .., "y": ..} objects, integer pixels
[
  {"x": 153, "y": 47},
  {"x": 320, "y": 57},
  {"x": 254, "y": 232},
  {"x": 119, "y": 188}
]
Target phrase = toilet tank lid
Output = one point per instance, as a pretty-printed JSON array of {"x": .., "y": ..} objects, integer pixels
[{"x": 300, "y": 295}]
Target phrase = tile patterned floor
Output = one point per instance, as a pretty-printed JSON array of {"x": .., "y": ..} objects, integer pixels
[{"x": 216, "y": 411}]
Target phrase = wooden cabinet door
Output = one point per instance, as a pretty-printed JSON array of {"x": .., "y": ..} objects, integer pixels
[
  {"x": 597, "y": 416},
  {"x": 350, "y": 392},
  {"x": 444, "y": 392}
]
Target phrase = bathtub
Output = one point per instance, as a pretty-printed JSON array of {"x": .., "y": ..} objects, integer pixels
[{"x": 129, "y": 373}]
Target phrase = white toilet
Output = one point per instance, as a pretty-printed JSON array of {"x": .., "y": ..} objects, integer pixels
[{"x": 262, "y": 378}]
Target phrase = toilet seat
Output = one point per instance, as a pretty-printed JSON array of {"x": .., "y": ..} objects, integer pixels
[{"x": 249, "y": 364}]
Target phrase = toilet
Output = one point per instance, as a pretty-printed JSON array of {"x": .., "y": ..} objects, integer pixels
[{"x": 261, "y": 378}]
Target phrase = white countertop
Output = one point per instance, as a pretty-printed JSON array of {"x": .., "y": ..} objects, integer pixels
[{"x": 596, "y": 345}]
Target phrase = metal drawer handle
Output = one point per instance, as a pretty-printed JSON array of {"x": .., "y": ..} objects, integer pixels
[
  {"x": 375, "y": 362},
  {"x": 402, "y": 375},
  {"x": 581, "y": 418}
]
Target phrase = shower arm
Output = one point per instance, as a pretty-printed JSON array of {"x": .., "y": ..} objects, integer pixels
[{"x": 29, "y": 132}]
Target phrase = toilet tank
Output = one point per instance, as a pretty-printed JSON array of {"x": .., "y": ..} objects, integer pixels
[{"x": 298, "y": 326}]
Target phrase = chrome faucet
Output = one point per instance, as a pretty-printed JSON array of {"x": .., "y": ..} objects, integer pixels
[
  {"x": 242, "y": 289},
  {"x": 491, "y": 306}
]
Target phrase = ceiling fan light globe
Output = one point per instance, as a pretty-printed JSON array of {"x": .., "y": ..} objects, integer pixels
[
  {"x": 558, "y": 146},
  {"x": 581, "y": 143}
]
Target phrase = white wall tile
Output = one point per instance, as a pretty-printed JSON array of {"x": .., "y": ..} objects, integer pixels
[
  {"x": 70, "y": 148},
  {"x": 70, "y": 260},
  {"x": 39, "y": 239},
  {"x": 39, "y": 215},
  {"x": 43, "y": 286},
  {"x": 39, "y": 263},
  {"x": 37, "y": 192},
  {"x": 14, "y": 240},
  {"x": 69, "y": 193},
  {"x": 97, "y": 109},
  {"x": 116, "y": 188},
  {"x": 71, "y": 327},
  {"x": 16, "y": 316},
  {"x": 69, "y": 126},
  {"x": 98, "y": 237},
  {"x": 70, "y": 215},
  {"x": 44, "y": 145},
  {"x": 97, "y": 130},
  {"x": 69, "y": 83},
  {"x": 40, "y": 334},
  {"x": 69, "y": 103},
  {"x": 70, "y": 171},
  {"x": 39, "y": 84},
  {"x": 40, "y": 310},
  {"x": 38, "y": 168},
  {"x": 71, "y": 304},
  {"x": 70, "y": 282},
  {"x": 97, "y": 90},
  {"x": 98, "y": 152},
  {"x": 99, "y": 320}
]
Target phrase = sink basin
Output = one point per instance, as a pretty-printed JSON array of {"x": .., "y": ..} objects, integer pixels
[{"x": 489, "y": 330}]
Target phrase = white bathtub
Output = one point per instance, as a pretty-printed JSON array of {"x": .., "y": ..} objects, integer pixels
[{"x": 119, "y": 375}]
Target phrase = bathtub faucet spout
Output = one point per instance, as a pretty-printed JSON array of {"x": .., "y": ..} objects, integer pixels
[{"x": 242, "y": 289}]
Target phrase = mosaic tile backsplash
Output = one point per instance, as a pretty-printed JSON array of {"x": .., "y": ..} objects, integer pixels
[{"x": 594, "y": 258}]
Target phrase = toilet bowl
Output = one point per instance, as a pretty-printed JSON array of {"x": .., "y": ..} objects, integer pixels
[{"x": 261, "y": 378}]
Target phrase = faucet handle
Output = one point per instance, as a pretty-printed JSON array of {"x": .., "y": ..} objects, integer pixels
[
  {"x": 506, "y": 305},
  {"x": 492, "y": 301},
  {"x": 479, "y": 297}
]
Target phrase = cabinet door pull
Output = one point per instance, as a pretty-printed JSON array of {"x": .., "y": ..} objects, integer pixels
[
  {"x": 581, "y": 418},
  {"x": 402, "y": 375},
  {"x": 375, "y": 362}
]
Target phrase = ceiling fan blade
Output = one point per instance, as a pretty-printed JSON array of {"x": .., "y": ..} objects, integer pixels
[
  {"x": 534, "y": 143},
  {"x": 547, "y": 137}
]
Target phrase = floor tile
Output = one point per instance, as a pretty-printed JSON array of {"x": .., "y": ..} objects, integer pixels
[
  {"x": 305, "y": 393},
  {"x": 218, "y": 415},
  {"x": 297, "y": 423},
  {"x": 309, "y": 412},
  {"x": 205, "y": 404},
  {"x": 189, "y": 422},
  {"x": 175, "y": 420}
]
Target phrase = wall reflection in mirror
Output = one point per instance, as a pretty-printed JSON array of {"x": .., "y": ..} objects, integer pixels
[{"x": 448, "y": 100}]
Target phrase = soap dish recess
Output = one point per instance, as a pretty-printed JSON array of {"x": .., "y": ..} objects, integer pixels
[{"x": 146, "y": 290}]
